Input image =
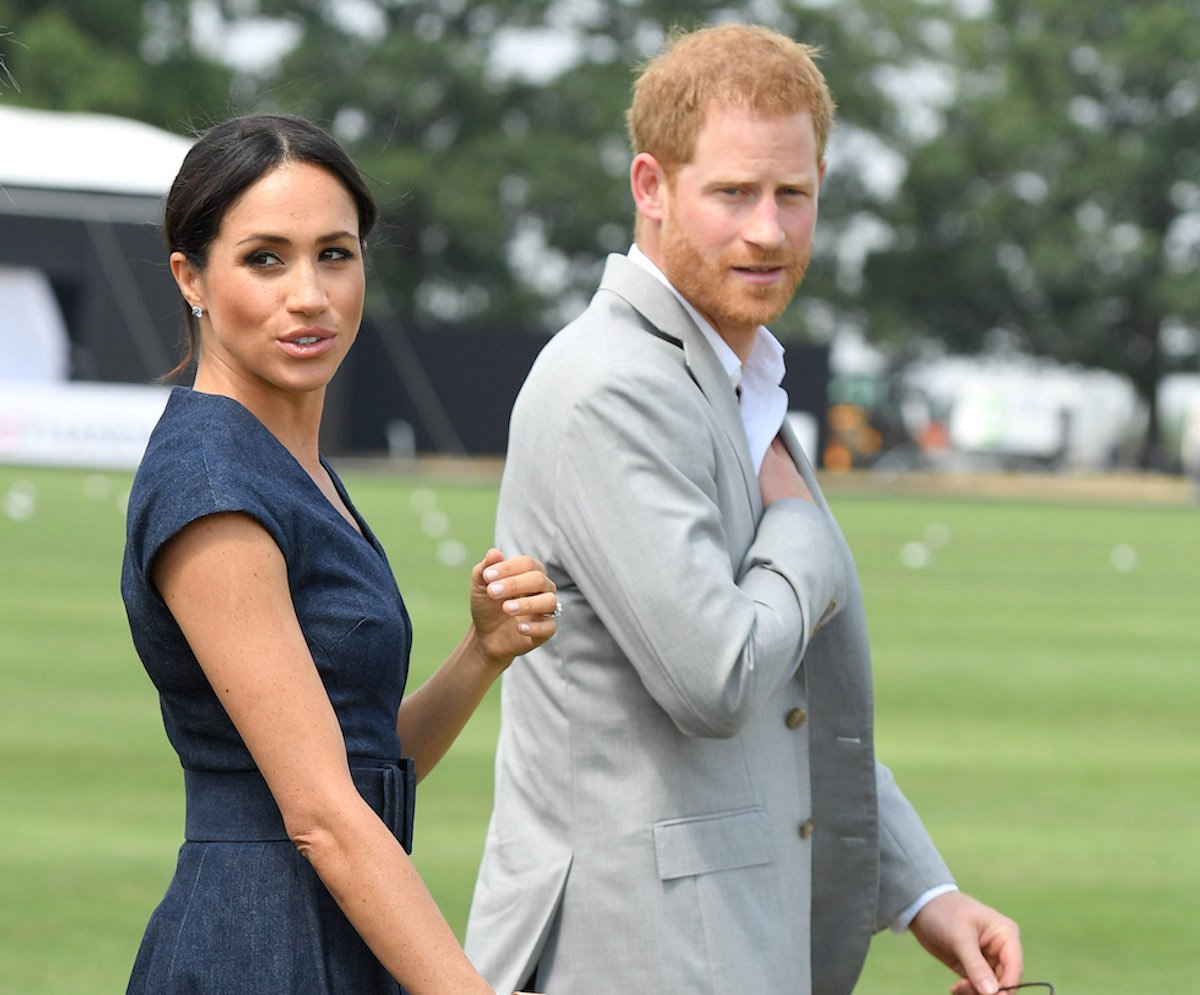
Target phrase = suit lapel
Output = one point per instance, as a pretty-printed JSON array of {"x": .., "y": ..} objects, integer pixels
[{"x": 669, "y": 319}]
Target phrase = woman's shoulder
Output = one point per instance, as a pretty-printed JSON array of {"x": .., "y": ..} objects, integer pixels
[
  {"x": 207, "y": 455},
  {"x": 192, "y": 415},
  {"x": 210, "y": 438}
]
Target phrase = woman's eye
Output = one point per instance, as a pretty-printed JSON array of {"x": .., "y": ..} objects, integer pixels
[
  {"x": 262, "y": 258},
  {"x": 337, "y": 254}
]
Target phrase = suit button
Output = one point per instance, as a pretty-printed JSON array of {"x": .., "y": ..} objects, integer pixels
[
  {"x": 795, "y": 718},
  {"x": 806, "y": 829},
  {"x": 829, "y": 610}
]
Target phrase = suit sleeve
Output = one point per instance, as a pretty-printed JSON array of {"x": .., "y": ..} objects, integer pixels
[
  {"x": 909, "y": 863},
  {"x": 641, "y": 532}
]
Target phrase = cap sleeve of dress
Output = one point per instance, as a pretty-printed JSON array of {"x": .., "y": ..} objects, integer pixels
[{"x": 208, "y": 455}]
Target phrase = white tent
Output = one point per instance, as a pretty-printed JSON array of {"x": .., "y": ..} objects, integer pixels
[
  {"x": 86, "y": 166},
  {"x": 86, "y": 152},
  {"x": 84, "y": 292}
]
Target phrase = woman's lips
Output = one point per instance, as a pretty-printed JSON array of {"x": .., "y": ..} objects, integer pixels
[{"x": 306, "y": 345}]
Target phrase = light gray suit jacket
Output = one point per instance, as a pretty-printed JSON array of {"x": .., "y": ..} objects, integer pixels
[{"x": 687, "y": 796}]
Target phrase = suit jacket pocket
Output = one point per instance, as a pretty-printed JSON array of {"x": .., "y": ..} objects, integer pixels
[{"x": 702, "y": 844}]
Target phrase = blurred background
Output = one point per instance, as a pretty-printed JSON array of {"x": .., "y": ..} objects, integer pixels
[
  {"x": 1007, "y": 259},
  {"x": 995, "y": 361}
]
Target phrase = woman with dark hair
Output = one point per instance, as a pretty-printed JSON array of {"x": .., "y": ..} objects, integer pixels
[{"x": 268, "y": 618}]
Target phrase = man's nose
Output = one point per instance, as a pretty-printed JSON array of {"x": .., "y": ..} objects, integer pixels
[{"x": 763, "y": 228}]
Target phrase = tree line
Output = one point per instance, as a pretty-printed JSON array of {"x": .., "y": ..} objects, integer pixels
[{"x": 1015, "y": 171}]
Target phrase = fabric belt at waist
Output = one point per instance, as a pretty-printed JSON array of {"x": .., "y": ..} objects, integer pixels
[{"x": 237, "y": 806}]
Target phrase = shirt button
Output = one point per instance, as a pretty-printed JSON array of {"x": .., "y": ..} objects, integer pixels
[
  {"x": 795, "y": 718},
  {"x": 806, "y": 829}
]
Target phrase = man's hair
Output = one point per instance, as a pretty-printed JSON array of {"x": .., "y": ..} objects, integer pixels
[{"x": 740, "y": 66}]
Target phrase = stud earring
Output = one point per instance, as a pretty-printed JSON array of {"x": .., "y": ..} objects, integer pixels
[{"x": 197, "y": 311}]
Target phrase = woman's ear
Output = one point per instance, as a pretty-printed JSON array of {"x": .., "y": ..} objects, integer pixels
[
  {"x": 187, "y": 278},
  {"x": 648, "y": 182}
]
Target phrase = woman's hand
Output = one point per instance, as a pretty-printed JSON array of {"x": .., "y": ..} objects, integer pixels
[{"x": 513, "y": 606}]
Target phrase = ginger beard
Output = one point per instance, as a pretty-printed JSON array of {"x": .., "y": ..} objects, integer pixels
[{"x": 714, "y": 288}]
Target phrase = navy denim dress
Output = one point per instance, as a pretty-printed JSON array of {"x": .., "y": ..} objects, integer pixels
[{"x": 245, "y": 912}]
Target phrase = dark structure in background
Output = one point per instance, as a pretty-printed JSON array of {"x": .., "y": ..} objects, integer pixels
[
  {"x": 807, "y": 384},
  {"x": 455, "y": 385},
  {"x": 104, "y": 258},
  {"x": 451, "y": 386}
]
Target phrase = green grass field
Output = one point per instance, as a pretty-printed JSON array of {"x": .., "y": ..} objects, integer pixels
[{"x": 1037, "y": 702}]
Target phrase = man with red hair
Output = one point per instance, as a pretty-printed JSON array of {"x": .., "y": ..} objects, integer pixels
[{"x": 687, "y": 794}]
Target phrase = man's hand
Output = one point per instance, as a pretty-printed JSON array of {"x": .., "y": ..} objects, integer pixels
[
  {"x": 977, "y": 942},
  {"x": 778, "y": 477}
]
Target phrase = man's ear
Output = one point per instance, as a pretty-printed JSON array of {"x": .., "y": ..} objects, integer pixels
[
  {"x": 187, "y": 278},
  {"x": 648, "y": 181}
]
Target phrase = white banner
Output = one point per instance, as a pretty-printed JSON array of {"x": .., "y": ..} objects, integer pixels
[{"x": 74, "y": 424}]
